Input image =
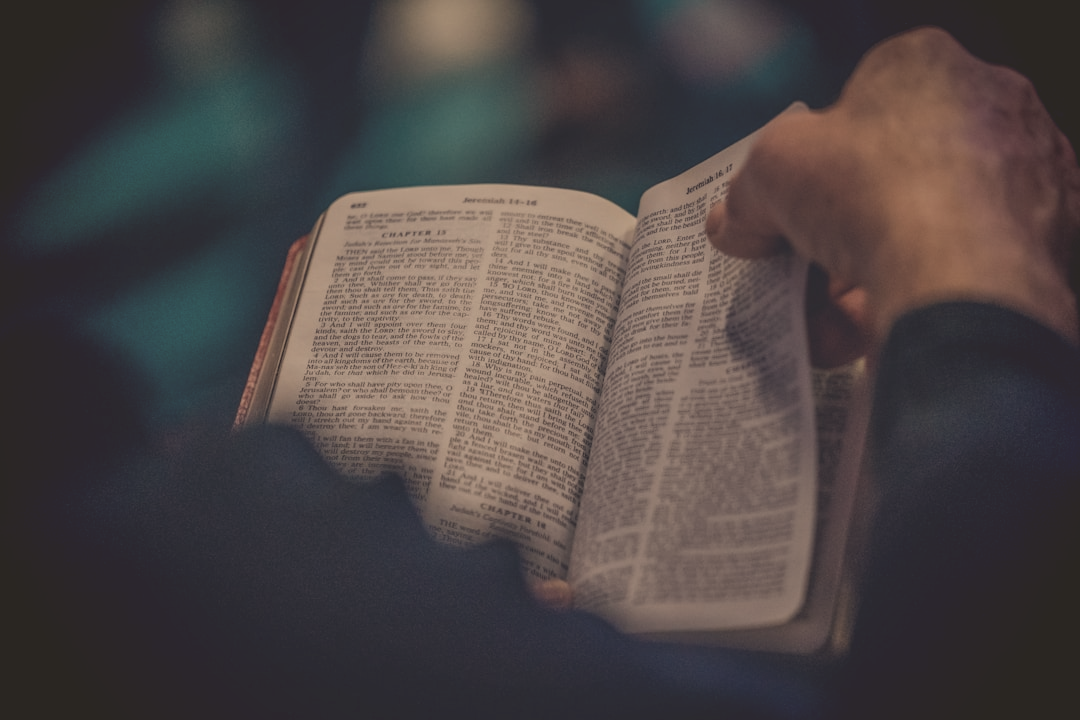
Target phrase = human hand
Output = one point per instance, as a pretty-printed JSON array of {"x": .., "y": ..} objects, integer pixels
[{"x": 934, "y": 177}]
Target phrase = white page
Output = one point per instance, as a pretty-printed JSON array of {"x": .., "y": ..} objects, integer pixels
[
  {"x": 698, "y": 512},
  {"x": 456, "y": 335}
]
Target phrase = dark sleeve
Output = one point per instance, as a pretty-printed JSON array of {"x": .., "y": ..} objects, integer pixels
[
  {"x": 970, "y": 597},
  {"x": 242, "y": 577}
]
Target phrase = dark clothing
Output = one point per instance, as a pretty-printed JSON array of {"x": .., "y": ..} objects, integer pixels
[
  {"x": 970, "y": 601},
  {"x": 242, "y": 577}
]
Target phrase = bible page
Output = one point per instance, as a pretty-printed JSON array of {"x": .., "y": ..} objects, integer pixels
[
  {"x": 457, "y": 335},
  {"x": 699, "y": 507},
  {"x": 823, "y": 623}
]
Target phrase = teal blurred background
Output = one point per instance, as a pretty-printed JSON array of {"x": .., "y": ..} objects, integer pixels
[{"x": 161, "y": 156}]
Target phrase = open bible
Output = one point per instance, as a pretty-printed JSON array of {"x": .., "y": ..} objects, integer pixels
[{"x": 635, "y": 411}]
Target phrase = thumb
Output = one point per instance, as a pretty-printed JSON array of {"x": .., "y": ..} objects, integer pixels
[
  {"x": 741, "y": 232},
  {"x": 748, "y": 222}
]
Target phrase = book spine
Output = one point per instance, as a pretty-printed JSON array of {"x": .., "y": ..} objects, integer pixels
[{"x": 248, "y": 395}]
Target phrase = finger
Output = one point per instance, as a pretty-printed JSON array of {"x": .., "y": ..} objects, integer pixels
[
  {"x": 836, "y": 320},
  {"x": 732, "y": 232},
  {"x": 555, "y": 594},
  {"x": 853, "y": 302},
  {"x": 755, "y": 217}
]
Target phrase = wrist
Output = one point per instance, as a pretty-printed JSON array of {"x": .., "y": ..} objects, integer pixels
[{"x": 1008, "y": 274}]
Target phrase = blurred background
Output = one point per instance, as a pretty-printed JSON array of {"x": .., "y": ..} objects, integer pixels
[{"x": 159, "y": 157}]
